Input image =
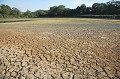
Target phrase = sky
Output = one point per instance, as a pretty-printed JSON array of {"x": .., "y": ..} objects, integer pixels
[{"x": 34, "y": 5}]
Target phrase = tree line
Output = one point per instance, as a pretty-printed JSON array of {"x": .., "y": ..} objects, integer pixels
[{"x": 108, "y": 8}]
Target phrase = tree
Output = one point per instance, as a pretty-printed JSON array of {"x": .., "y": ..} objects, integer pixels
[
  {"x": 109, "y": 8},
  {"x": 60, "y": 10},
  {"x": 41, "y": 13},
  {"x": 117, "y": 7},
  {"x": 88, "y": 10},
  {"x": 104, "y": 9},
  {"x": 53, "y": 11},
  {"x": 15, "y": 12},
  {"x": 27, "y": 14},
  {"x": 80, "y": 10},
  {"x": 83, "y": 9},
  {"x": 99, "y": 8},
  {"x": 96, "y": 8},
  {"x": 66, "y": 12},
  {"x": 5, "y": 10},
  {"x": 73, "y": 12},
  {"x": 113, "y": 7},
  {"x": 1, "y": 12}
]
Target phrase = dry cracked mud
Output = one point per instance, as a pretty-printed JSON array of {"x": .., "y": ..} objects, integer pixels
[{"x": 53, "y": 52}]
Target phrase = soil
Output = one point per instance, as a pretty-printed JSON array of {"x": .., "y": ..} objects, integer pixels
[{"x": 59, "y": 49}]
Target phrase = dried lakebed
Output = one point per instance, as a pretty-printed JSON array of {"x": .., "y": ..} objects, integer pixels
[{"x": 67, "y": 51}]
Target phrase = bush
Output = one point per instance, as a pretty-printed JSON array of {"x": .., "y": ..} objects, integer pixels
[{"x": 100, "y": 16}]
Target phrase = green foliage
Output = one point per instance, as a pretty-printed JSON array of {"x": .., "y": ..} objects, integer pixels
[
  {"x": 27, "y": 14},
  {"x": 53, "y": 11},
  {"x": 15, "y": 12},
  {"x": 81, "y": 9},
  {"x": 1, "y": 16},
  {"x": 40, "y": 13},
  {"x": 99, "y": 8},
  {"x": 88, "y": 10},
  {"x": 109, "y": 8},
  {"x": 5, "y": 10},
  {"x": 113, "y": 7}
]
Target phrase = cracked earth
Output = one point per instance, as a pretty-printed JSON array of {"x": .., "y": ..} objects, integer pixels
[{"x": 54, "y": 52}]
